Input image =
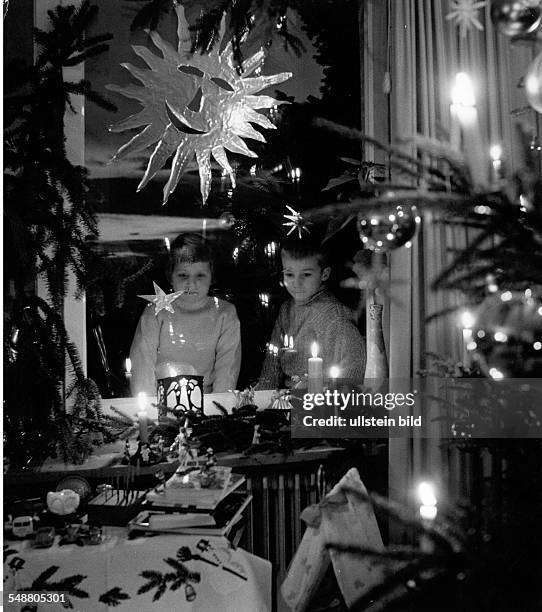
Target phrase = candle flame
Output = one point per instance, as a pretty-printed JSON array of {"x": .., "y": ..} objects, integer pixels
[
  {"x": 314, "y": 349},
  {"x": 426, "y": 493},
  {"x": 291, "y": 343},
  {"x": 463, "y": 91},
  {"x": 128, "y": 364},
  {"x": 495, "y": 152},
  {"x": 467, "y": 320}
]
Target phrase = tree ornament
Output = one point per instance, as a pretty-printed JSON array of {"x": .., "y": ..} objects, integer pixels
[
  {"x": 516, "y": 17},
  {"x": 295, "y": 222},
  {"x": 161, "y": 300},
  {"x": 533, "y": 83},
  {"x": 464, "y": 14},
  {"x": 387, "y": 227},
  {"x": 507, "y": 336},
  {"x": 194, "y": 105}
]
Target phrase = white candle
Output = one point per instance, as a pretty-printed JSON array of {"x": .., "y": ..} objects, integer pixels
[
  {"x": 142, "y": 417},
  {"x": 316, "y": 377},
  {"x": 464, "y": 112},
  {"x": 334, "y": 373},
  {"x": 495, "y": 153}
]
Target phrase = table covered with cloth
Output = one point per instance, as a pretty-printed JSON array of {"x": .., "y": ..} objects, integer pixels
[{"x": 160, "y": 573}]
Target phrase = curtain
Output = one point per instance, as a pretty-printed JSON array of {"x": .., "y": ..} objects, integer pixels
[{"x": 426, "y": 52}]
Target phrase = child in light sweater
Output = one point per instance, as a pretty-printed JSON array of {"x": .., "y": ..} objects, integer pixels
[{"x": 312, "y": 314}]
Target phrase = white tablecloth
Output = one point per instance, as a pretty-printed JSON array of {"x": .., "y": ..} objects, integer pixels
[{"x": 223, "y": 579}]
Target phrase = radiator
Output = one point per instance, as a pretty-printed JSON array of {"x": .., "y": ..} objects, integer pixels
[{"x": 273, "y": 527}]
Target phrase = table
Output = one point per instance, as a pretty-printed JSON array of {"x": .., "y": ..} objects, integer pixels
[{"x": 194, "y": 573}]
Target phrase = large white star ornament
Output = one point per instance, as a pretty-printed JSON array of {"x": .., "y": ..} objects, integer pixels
[
  {"x": 194, "y": 105},
  {"x": 465, "y": 15},
  {"x": 162, "y": 300},
  {"x": 295, "y": 222}
]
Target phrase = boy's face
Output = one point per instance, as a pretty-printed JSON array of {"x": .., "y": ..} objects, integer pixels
[
  {"x": 193, "y": 278},
  {"x": 302, "y": 277}
]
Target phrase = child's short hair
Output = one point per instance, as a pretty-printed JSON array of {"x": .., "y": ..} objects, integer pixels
[
  {"x": 306, "y": 246},
  {"x": 189, "y": 248}
]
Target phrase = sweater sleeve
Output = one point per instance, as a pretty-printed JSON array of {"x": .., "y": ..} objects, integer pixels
[
  {"x": 228, "y": 353},
  {"x": 271, "y": 376},
  {"x": 143, "y": 353},
  {"x": 344, "y": 347}
]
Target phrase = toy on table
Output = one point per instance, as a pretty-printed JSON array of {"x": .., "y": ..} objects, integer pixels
[{"x": 256, "y": 435}]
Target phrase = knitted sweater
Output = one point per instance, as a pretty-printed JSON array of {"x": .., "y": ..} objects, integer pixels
[
  {"x": 208, "y": 339},
  {"x": 322, "y": 319}
]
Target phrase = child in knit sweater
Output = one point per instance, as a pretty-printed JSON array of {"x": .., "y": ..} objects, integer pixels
[{"x": 312, "y": 314}]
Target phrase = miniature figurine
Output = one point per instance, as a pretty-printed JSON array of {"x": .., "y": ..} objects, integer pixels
[
  {"x": 126, "y": 456},
  {"x": 256, "y": 435},
  {"x": 145, "y": 453},
  {"x": 161, "y": 477},
  {"x": 211, "y": 459}
]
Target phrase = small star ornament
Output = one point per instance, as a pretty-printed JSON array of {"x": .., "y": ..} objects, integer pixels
[
  {"x": 464, "y": 14},
  {"x": 295, "y": 222},
  {"x": 162, "y": 300}
]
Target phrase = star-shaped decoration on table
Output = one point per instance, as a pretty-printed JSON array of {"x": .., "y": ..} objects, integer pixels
[
  {"x": 465, "y": 15},
  {"x": 195, "y": 105},
  {"x": 161, "y": 300},
  {"x": 295, "y": 222}
]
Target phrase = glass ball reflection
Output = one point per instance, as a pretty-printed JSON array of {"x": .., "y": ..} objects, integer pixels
[
  {"x": 388, "y": 227},
  {"x": 507, "y": 338},
  {"x": 516, "y": 17}
]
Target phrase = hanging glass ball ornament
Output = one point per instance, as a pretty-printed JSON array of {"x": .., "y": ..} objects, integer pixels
[
  {"x": 507, "y": 336},
  {"x": 387, "y": 227},
  {"x": 533, "y": 83},
  {"x": 516, "y": 17}
]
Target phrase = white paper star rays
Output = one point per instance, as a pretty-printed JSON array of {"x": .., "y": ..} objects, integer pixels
[
  {"x": 162, "y": 300},
  {"x": 194, "y": 105},
  {"x": 465, "y": 15},
  {"x": 295, "y": 222}
]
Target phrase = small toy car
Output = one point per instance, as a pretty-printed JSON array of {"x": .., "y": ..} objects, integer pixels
[{"x": 45, "y": 537}]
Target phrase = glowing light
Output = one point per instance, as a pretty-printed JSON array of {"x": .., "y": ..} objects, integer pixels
[
  {"x": 467, "y": 320},
  {"x": 314, "y": 349},
  {"x": 528, "y": 293},
  {"x": 426, "y": 494},
  {"x": 142, "y": 400},
  {"x": 481, "y": 333},
  {"x": 506, "y": 296},
  {"x": 389, "y": 236},
  {"x": 391, "y": 218},
  {"x": 418, "y": 219},
  {"x": 428, "y": 513},
  {"x": 495, "y": 152},
  {"x": 379, "y": 243},
  {"x": 334, "y": 372},
  {"x": 168, "y": 244},
  {"x": 128, "y": 365},
  {"x": 471, "y": 346},
  {"x": 408, "y": 244},
  {"x": 496, "y": 374},
  {"x": 500, "y": 336},
  {"x": 463, "y": 91},
  {"x": 537, "y": 346},
  {"x": 374, "y": 221}
]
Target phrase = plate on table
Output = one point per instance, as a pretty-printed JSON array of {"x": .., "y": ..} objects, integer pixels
[{"x": 80, "y": 485}]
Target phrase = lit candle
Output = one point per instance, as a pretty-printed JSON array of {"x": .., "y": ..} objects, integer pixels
[
  {"x": 428, "y": 512},
  {"x": 285, "y": 341},
  {"x": 495, "y": 152},
  {"x": 128, "y": 367},
  {"x": 465, "y": 114},
  {"x": 334, "y": 373},
  {"x": 142, "y": 417},
  {"x": 316, "y": 377},
  {"x": 291, "y": 343},
  {"x": 467, "y": 322}
]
